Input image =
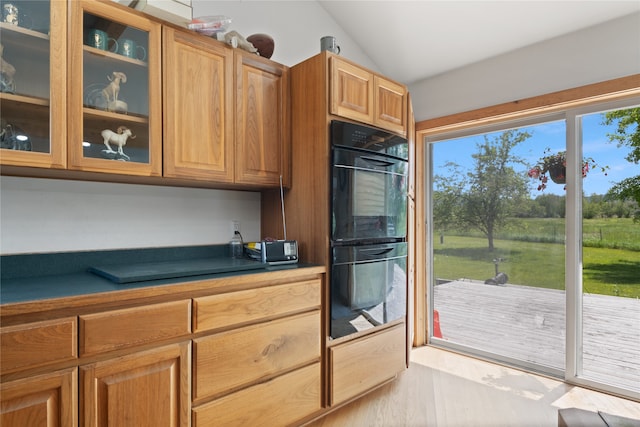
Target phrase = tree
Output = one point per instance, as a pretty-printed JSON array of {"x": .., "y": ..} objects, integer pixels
[
  {"x": 627, "y": 133},
  {"x": 486, "y": 196}
]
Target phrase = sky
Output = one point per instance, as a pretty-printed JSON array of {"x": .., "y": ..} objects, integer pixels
[{"x": 551, "y": 135}]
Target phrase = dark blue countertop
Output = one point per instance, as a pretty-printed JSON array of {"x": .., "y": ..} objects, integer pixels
[{"x": 34, "y": 277}]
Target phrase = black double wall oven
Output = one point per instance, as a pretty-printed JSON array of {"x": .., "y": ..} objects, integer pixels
[{"x": 368, "y": 278}]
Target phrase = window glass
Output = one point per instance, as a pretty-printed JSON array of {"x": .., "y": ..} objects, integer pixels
[{"x": 499, "y": 246}]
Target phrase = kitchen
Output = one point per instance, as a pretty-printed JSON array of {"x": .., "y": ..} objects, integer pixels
[{"x": 83, "y": 215}]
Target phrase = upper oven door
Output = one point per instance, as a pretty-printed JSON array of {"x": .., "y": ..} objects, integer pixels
[{"x": 369, "y": 197}]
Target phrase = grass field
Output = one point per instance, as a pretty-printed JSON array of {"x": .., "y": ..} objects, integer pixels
[
  {"x": 613, "y": 233},
  {"x": 537, "y": 262}
]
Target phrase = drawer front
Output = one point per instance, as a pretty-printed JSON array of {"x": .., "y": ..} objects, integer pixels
[
  {"x": 117, "y": 329},
  {"x": 226, "y": 361},
  {"x": 37, "y": 344},
  {"x": 360, "y": 365},
  {"x": 278, "y": 402},
  {"x": 218, "y": 311}
]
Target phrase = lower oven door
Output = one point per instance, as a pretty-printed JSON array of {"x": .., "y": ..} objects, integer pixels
[{"x": 368, "y": 286}]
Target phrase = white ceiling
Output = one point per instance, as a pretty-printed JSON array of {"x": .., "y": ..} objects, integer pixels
[{"x": 413, "y": 40}]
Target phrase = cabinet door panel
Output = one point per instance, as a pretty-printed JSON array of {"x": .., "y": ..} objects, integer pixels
[
  {"x": 198, "y": 108},
  {"x": 37, "y": 344},
  {"x": 235, "y": 308},
  {"x": 279, "y": 402},
  {"x": 115, "y": 115},
  {"x": 360, "y": 365},
  {"x": 48, "y": 400},
  {"x": 143, "y": 389},
  {"x": 232, "y": 359},
  {"x": 33, "y": 86},
  {"x": 351, "y": 91},
  {"x": 391, "y": 105},
  {"x": 129, "y": 327},
  {"x": 262, "y": 124}
]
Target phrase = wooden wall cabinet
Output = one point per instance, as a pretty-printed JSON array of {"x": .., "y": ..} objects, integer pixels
[
  {"x": 33, "y": 101},
  {"x": 361, "y": 95},
  {"x": 262, "y": 121},
  {"x": 91, "y": 107},
  {"x": 115, "y": 94},
  {"x": 226, "y": 113},
  {"x": 198, "y": 108}
]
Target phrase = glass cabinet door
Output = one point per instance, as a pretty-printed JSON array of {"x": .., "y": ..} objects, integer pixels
[
  {"x": 115, "y": 119},
  {"x": 33, "y": 83}
]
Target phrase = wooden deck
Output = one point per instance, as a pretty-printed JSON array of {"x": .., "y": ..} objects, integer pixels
[{"x": 528, "y": 323}]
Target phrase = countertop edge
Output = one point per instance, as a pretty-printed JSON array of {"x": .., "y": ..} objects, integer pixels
[{"x": 150, "y": 292}]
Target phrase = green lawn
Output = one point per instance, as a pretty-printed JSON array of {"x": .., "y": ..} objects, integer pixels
[{"x": 534, "y": 263}]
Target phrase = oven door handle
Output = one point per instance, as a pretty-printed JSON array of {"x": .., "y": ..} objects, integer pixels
[
  {"x": 375, "y": 252},
  {"x": 379, "y": 162}
]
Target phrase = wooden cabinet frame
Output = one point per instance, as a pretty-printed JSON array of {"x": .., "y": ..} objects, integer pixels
[
  {"x": 57, "y": 102},
  {"x": 77, "y": 113}
]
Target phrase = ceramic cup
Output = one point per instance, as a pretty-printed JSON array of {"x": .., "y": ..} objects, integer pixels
[
  {"x": 329, "y": 43},
  {"x": 130, "y": 49},
  {"x": 100, "y": 40}
]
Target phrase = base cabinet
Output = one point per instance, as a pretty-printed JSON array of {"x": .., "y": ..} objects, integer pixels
[
  {"x": 229, "y": 360},
  {"x": 240, "y": 350},
  {"x": 362, "y": 364},
  {"x": 279, "y": 402},
  {"x": 148, "y": 388},
  {"x": 42, "y": 401}
]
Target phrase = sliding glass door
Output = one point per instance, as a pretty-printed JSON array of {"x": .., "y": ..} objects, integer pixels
[
  {"x": 534, "y": 256},
  {"x": 607, "y": 309},
  {"x": 498, "y": 246}
]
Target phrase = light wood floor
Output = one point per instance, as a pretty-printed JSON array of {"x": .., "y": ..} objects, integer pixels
[{"x": 445, "y": 389}]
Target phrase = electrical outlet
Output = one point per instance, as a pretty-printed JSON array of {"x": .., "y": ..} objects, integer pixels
[{"x": 235, "y": 226}]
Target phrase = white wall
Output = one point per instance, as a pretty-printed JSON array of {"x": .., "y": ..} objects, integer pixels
[
  {"x": 38, "y": 215},
  {"x": 295, "y": 26},
  {"x": 592, "y": 55}
]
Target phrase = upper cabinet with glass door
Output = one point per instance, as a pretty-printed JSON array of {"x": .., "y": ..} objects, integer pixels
[
  {"x": 115, "y": 107},
  {"x": 33, "y": 83}
]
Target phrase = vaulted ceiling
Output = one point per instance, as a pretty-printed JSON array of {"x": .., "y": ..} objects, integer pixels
[{"x": 414, "y": 40}]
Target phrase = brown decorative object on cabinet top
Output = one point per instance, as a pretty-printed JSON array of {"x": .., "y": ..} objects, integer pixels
[{"x": 264, "y": 43}]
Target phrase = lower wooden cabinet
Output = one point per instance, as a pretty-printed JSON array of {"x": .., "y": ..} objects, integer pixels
[
  {"x": 149, "y": 388},
  {"x": 229, "y": 360},
  {"x": 36, "y": 344},
  {"x": 48, "y": 400},
  {"x": 360, "y": 365},
  {"x": 279, "y": 402},
  {"x": 248, "y": 352},
  {"x": 119, "y": 329}
]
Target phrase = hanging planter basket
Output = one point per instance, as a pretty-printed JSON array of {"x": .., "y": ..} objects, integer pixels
[{"x": 558, "y": 173}]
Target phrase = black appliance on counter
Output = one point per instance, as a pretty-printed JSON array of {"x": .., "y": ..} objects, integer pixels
[{"x": 369, "y": 169}]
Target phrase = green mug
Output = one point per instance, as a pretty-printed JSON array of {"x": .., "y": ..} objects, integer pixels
[
  {"x": 130, "y": 49},
  {"x": 100, "y": 40}
]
